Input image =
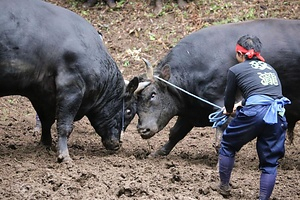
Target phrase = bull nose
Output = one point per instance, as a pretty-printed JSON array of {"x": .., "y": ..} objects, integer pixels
[
  {"x": 145, "y": 133},
  {"x": 112, "y": 145},
  {"x": 143, "y": 130}
]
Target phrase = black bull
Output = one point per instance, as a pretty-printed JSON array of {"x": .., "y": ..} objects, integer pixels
[
  {"x": 58, "y": 61},
  {"x": 199, "y": 64}
]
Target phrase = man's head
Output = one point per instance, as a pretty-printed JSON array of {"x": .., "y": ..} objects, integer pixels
[{"x": 248, "y": 47}]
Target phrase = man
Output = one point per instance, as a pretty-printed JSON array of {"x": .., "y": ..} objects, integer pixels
[{"x": 260, "y": 115}]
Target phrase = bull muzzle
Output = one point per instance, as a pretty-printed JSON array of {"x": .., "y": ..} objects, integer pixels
[
  {"x": 112, "y": 144},
  {"x": 145, "y": 133}
]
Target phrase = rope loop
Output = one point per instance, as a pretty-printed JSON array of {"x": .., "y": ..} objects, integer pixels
[{"x": 218, "y": 118}]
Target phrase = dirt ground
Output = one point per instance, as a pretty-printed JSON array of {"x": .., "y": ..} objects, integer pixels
[{"x": 131, "y": 31}]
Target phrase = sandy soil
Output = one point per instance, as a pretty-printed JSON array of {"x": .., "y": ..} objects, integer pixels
[{"x": 131, "y": 31}]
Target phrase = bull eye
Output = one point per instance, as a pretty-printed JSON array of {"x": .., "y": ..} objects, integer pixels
[
  {"x": 128, "y": 111},
  {"x": 153, "y": 95}
]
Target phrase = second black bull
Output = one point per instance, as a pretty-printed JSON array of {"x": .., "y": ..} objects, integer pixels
[
  {"x": 199, "y": 64},
  {"x": 57, "y": 60}
]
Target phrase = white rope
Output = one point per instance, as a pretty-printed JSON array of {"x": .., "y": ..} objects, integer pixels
[{"x": 199, "y": 98}]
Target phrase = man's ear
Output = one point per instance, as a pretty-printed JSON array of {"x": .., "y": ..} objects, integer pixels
[{"x": 241, "y": 55}]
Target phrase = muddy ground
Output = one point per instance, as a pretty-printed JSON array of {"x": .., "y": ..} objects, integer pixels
[{"x": 132, "y": 31}]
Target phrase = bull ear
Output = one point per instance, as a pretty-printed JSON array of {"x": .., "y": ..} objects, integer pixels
[
  {"x": 166, "y": 72},
  {"x": 149, "y": 69},
  {"x": 132, "y": 85}
]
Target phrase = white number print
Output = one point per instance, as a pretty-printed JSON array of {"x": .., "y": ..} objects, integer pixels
[{"x": 259, "y": 65}]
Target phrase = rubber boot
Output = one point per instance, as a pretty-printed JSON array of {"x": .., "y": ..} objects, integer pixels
[
  {"x": 267, "y": 182},
  {"x": 225, "y": 169}
]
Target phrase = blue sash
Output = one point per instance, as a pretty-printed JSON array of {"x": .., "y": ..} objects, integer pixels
[{"x": 276, "y": 106}]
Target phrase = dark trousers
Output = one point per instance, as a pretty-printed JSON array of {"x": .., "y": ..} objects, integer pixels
[{"x": 248, "y": 125}]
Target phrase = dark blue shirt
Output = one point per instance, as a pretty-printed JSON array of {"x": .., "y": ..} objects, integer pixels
[{"x": 252, "y": 77}]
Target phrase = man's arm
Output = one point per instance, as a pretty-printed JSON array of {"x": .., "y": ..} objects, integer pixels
[{"x": 230, "y": 93}]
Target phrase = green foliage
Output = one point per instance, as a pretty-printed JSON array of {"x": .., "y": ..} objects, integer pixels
[
  {"x": 121, "y": 3},
  {"x": 219, "y": 7},
  {"x": 250, "y": 14},
  {"x": 74, "y": 3},
  {"x": 84, "y": 12},
  {"x": 126, "y": 63},
  {"x": 162, "y": 13},
  {"x": 152, "y": 37}
]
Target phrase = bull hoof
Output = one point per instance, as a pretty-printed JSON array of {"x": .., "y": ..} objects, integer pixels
[
  {"x": 49, "y": 148},
  {"x": 47, "y": 144},
  {"x": 158, "y": 153},
  {"x": 64, "y": 159},
  {"x": 152, "y": 155}
]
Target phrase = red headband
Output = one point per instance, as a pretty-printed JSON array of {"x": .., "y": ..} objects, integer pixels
[{"x": 250, "y": 53}]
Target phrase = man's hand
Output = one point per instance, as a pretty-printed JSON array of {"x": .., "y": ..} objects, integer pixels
[
  {"x": 225, "y": 111},
  {"x": 238, "y": 104}
]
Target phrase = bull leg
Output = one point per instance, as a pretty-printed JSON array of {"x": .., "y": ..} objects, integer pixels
[
  {"x": 291, "y": 125},
  {"x": 69, "y": 98},
  {"x": 46, "y": 138},
  {"x": 290, "y": 131},
  {"x": 65, "y": 120},
  {"x": 45, "y": 120},
  {"x": 177, "y": 133},
  {"x": 64, "y": 131},
  {"x": 65, "y": 117}
]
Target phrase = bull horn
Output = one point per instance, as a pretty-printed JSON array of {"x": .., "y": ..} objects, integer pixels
[
  {"x": 149, "y": 69},
  {"x": 126, "y": 82},
  {"x": 141, "y": 86}
]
